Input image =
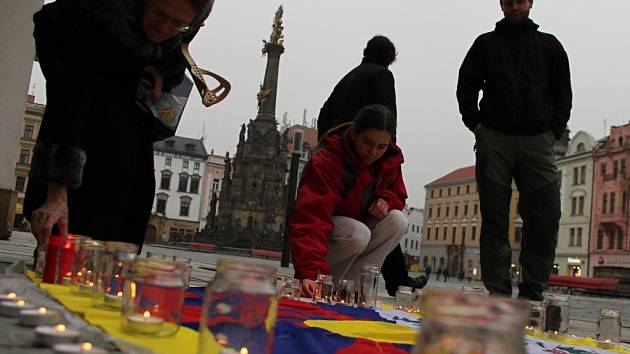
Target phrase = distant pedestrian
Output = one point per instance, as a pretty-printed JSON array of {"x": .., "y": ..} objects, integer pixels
[
  {"x": 427, "y": 271},
  {"x": 526, "y": 103},
  {"x": 438, "y": 273},
  {"x": 445, "y": 273},
  {"x": 460, "y": 275}
]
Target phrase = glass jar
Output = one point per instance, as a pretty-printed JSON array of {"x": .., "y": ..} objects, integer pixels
[
  {"x": 417, "y": 299},
  {"x": 556, "y": 311},
  {"x": 535, "y": 317},
  {"x": 323, "y": 289},
  {"x": 187, "y": 264},
  {"x": 404, "y": 299},
  {"x": 368, "y": 287},
  {"x": 344, "y": 292},
  {"x": 86, "y": 266},
  {"x": 239, "y": 310},
  {"x": 68, "y": 253},
  {"x": 115, "y": 268},
  {"x": 457, "y": 323},
  {"x": 153, "y": 298},
  {"x": 608, "y": 326},
  {"x": 56, "y": 259},
  {"x": 288, "y": 287}
]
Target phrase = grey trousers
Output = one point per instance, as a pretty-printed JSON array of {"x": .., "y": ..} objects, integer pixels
[{"x": 353, "y": 243}]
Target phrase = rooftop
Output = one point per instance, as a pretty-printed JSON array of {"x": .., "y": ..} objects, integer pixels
[
  {"x": 460, "y": 175},
  {"x": 182, "y": 145}
]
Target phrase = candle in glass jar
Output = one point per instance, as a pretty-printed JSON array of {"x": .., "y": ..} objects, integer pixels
[
  {"x": 605, "y": 344},
  {"x": 85, "y": 288},
  {"x": 52, "y": 335},
  {"x": 78, "y": 348},
  {"x": 145, "y": 323},
  {"x": 13, "y": 308},
  {"x": 38, "y": 317},
  {"x": 10, "y": 297},
  {"x": 113, "y": 300}
]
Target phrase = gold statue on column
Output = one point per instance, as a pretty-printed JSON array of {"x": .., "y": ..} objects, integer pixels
[
  {"x": 276, "y": 31},
  {"x": 262, "y": 96}
]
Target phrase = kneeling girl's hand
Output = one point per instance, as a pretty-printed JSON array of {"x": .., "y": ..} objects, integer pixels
[
  {"x": 379, "y": 209},
  {"x": 308, "y": 287}
]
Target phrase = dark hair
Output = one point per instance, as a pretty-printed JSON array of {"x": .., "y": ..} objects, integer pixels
[
  {"x": 375, "y": 116},
  {"x": 203, "y": 8},
  {"x": 380, "y": 50}
]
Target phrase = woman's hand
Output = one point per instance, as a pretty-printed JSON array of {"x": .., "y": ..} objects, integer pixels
[
  {"x": 53, "y": 211},
  {"x": 379, "y": 209},
  {"x": 158, "y": 84},
  {"x": 308, "y": 287}
]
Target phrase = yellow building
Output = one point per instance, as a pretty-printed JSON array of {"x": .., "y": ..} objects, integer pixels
[
  {"x": 452, "y": 225},
  {"x": 30, "y": 128}
]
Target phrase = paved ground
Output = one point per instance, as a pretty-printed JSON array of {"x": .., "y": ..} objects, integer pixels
[{"x": 583, "y": 309}]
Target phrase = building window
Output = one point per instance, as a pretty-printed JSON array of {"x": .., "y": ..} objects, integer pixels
[
  {"x": 428, "y": 233},
  {"x": 298, "y": 140},
  {"x": 444, "y": 234},
  {"x": 183, "y": 182},
  {"x": 167, "y": 162},
  {"x": 184, "y": 206},
  {"x": 169, "y": 143},
  {"x": 580, "y": 205},
  {"x": 185, "y": 164},
  {"x": 623, "y": 168},
  {"x": 431, "y": 194},
  {"x": 28, "y": 131},
  {"x": 611, "y": 240},
  {"x": 619, "y": 239},
  {"x": 215, "y": 184},
  {"x": 449, "y": 191},
  {"x": 578, "y": 240},
  {"x": 453, "y": 235},
  {"x": 457, "y": 190},
  {"x": 573, "y": 205},
  {"x": 475, "y": 209},
  {"x": 602, "y": 169},
  {"x": 447, "y": 210},
  {"x": 467, "y": 189},
  {"x": 197, "y": 165},
  {"x": 600, "y": 239},
  {"x": 624, "y": 201},
  {"x": 440, "y": 194},
  {"x": 612, "y": 202},
  {"x": 605, "y": 203},
  {"x": 190, "y": 147},
  {"x": 583, "y": 173},
  {"x": 463, "y": 234},
  {"x": 456, "y": 210},
  {"x": 473, "y": 236},
  {"x": 160, "y": 207},
  {"x": 438, "y": 212},
  {"x": 165, "y": 182},
  {"x": 615, "y": 168},
  {"x": 580, "y": 147},
  {"x": 25, "y": 155},
  {"x": 437, "y": 233},
  {"x": 571, "y": 237},
  {"x": 194, "y": 184},
  {"x": 465, "y": 209},
  {"x": 430, "y": 212},
  {"x": 20, "y": 183},
  {"x": 575, "y": 175},
  {"x": 518, "y": 234}
]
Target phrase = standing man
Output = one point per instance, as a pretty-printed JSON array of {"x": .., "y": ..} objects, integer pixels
[
  {"x": 526, "y": 103},
  {"x": 369, "y": 83}
]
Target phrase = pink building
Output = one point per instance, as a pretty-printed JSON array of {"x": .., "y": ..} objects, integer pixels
[
  {"x": 609, "y": 249},
  {"x": 212, "y": 182}
]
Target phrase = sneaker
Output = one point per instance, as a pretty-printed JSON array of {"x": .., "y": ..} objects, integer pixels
[{"x": 414, "y": 283}]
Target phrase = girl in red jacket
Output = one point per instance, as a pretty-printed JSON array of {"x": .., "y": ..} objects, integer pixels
[{"x": 348, "y": 209}]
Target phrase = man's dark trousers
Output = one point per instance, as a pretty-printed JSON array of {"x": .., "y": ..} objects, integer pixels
[{"x": 528, "y": 160}]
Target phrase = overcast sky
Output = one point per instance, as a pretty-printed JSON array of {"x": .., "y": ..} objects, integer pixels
[{"x": 324, "y": 39}]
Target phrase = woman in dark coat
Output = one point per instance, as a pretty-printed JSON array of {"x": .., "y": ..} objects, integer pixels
[{"x": 92, "y": 169}]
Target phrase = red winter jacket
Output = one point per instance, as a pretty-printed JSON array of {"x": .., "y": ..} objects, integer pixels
[{"x": 323, "y": 194}]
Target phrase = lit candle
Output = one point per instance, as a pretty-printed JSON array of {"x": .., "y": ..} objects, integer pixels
[
  {"x": 85, "y": 288},
  {"x": 112, "y": 300},
  {"x": 78, "y": 348},
  {"x": 66, "y": 281},
  {"x": 10, "y": 297},
  {"x": 59, "y": 334},
  {"x": 556, "y": 335},
  {"x": 38, "y": 317},
  {"x": 145, "y": 323},
  {"x": 244, "y": 351},
  {"x": 13, "y": 308},
  {"x": 605, "y": 344}
]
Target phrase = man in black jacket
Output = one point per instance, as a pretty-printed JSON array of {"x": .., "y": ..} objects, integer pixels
[
  {"x": 369, "y": 83},
  {"x": 526, "y": 103}
]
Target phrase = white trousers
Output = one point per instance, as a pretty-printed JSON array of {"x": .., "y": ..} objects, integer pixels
[{"x": 353, "y": 243}]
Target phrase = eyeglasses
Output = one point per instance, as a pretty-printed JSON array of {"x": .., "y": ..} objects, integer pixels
[{"x": 175, "y": 24}]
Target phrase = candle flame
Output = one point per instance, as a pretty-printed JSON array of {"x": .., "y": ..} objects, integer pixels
[
  {"x": 607, "y": 340},
  {"x": 244, "y": 351},
  {"x": 87, "y": 346},
  {"x": 60, "y": 328},
  {"x": 146, "y": 314},
  {"x": 12, "y": 295},
  {"x": 91, "y": 284},
  {"x": 42, "y": 310},
  {"x": 20, "y": 303},
  {"x": 69, "y": 274},
  {"x": 119, "y": 293},
  {"x": 79, "y": 274}
]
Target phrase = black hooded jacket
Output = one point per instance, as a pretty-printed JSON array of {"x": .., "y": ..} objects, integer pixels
[
  {"x": 368, "y": 83},
  {"x": 525, "y": 78}
]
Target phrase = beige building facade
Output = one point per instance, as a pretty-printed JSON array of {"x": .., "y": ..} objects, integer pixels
[{"x": 452, "y": 225}]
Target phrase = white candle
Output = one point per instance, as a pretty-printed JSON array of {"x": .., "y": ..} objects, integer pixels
[
  {"x": 13, "y": 308},
  {"x": 38, "y": 317},
  {"x": 66, "y": 281},
  {"x": 605, "y": 344},
  {"x": 78, "y": 348},
  {"x": 145, "y": 323},
  {"x": 112, "y": 300},
  {"x": 59, "y": 334},
  {"x": 85, "y": 288}
]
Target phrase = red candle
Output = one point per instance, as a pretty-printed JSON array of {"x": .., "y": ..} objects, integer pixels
[
  {"x": 67, "y": 255},
  {"x": 52, "y": 255}
]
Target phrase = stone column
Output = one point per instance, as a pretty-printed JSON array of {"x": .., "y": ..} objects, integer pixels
[
  {"x": 274, "y": 50},
  {"x": 16, "y": 62}
]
